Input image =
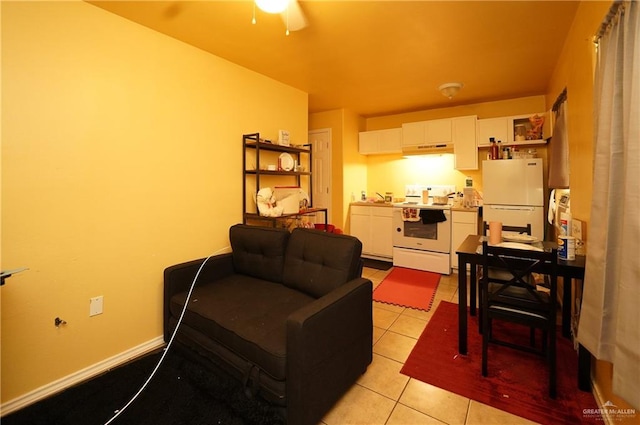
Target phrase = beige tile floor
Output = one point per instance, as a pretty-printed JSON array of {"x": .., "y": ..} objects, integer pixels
[{"x": 386, "y": 397}]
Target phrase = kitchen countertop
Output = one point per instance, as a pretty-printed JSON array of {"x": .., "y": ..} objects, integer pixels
[
  {"x": 388, "y": 204},
  {"x": 372, "y": 204}
]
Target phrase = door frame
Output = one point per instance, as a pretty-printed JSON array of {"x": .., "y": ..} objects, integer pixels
[{"x": 327, "y": 169}]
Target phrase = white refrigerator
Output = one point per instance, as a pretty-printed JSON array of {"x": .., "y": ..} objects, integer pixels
[{"x": 513, "y": 193}]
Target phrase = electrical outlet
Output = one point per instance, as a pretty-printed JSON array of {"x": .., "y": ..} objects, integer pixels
[{"x": 95, "y": 305}]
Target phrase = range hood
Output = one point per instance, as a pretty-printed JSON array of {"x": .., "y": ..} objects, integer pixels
[{"x": 428, "y": 149}]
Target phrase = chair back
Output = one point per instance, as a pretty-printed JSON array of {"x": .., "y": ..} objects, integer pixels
[
  {"x": 518, "y": 265},
  {"x": 513, "y": 300},
  {"x": 508, "y": 228}
]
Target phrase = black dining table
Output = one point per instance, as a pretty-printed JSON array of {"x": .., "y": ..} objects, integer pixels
[{"x": 469, "y": 254}]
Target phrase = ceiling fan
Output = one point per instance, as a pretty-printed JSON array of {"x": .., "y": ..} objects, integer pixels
[{"x": 290, "y": 11}]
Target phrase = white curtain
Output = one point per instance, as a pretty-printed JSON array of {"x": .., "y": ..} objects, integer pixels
[{"x": 610, "y": 319}]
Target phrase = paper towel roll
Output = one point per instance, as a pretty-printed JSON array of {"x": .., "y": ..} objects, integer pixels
[{"x": 495, "y": 232}]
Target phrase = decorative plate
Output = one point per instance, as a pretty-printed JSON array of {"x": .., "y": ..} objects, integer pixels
[{"x": 286, "y": 162}]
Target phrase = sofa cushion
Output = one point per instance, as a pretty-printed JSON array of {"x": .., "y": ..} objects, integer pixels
[
  {"x": 245, "y": 314},
  {"x": 258, "y": 251},
  {"x": 316, "y": 262}
]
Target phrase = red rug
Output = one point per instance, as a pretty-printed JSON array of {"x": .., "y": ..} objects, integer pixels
[
  {"x": 408, "y": 288},
  {"x": 517, "y": 381}
]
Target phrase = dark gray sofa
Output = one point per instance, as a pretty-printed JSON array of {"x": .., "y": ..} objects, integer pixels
[{"x": 287, "y": 313}]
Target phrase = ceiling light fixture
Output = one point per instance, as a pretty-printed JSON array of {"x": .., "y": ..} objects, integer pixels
[
  {"x": 450, "y": 89},
  {"x": 272, "y": 6}
]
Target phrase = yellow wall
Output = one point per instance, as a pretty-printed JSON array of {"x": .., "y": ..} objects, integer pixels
[
  {"x": 521, "y": 105},
  {"x": 575, "y": 71},
  {"x": 121, "y": 155},
  {"x": 348, "y": 167},
  {"x": 390, "y": 173}
]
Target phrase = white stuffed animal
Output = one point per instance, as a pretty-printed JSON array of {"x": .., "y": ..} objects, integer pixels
[{"x": 266, "y": 202}]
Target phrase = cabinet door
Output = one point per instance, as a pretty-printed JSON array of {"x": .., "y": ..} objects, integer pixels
[
  {"x": 465, "y": 223},
  {"x": 413, "y": 133},
  {"x": 368, "y": 142},
  {"x": 492, "y": 127},
  {"x": 464, "y": 143},
  {"x": 382, "y": 231},
  {"x": 390, "y": 141},
  {"x": 524, "y": 121},
  {"x": 361, "y": 226},
  {"x": 380, "y": 141},
  {"x": 439, "y": 131}
]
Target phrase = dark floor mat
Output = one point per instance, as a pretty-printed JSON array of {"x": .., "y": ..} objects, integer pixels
[{"x": 182, "y": 392}]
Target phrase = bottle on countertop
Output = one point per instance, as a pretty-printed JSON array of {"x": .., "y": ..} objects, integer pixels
[
  {"x": 499, "y": 150},
  {"x": 363, "y": 196}
]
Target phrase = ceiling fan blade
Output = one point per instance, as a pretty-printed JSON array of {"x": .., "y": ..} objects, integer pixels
[{"x": 297, "y": 20}]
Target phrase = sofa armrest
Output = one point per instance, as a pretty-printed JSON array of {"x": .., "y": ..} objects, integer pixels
[
  {"x": 178, "y": 278},
  {"x": 329, "y": 345}
]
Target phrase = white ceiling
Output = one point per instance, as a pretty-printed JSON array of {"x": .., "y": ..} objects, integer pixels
[{"x": 378, "y": 57}]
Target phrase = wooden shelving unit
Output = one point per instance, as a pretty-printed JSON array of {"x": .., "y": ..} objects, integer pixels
[{"x": 256, "y": 173}]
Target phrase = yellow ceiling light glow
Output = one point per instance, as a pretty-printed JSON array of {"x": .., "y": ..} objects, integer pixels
[{"x": 272, "y": 6}]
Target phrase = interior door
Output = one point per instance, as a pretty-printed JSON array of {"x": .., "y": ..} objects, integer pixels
[{"x": 321, "y": 191}]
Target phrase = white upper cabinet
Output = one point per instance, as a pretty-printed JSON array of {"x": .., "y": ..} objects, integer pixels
[
  {"x": 414, "y": 133},
  {"x": 464, "y": 142},
  {"x": 439, "y": 131},
  {"x": 426, "y": 132},
  {"x": 380, "y": 141},
  {"x": 505, "y": 129},
  {"x": 492, "y": 127}
]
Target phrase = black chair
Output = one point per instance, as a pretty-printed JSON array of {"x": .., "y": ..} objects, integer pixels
[
  {"x": 498, "y": 274},
  {"x": 519, "y": 302},
  {"x": 505, "y": 228}
]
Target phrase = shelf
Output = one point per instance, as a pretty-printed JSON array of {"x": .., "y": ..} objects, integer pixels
[
  {"x": 252, "y": 178},
  {"x": 519, "y": 143},
  {"x": 279, "y": 173},
  {"x": 308, "y": 211},
  {"x": 274, "y": 220},
  {"x": 252, "y": 143}
]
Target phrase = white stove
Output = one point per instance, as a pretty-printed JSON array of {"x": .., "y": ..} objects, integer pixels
[
  {"x": 414, "y": 195},
  {"x": 422, "y": 231}
]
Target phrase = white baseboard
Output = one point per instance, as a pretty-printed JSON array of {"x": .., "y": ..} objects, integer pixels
[
  {"x": 80, "y": 376},
  {"x": 600, "y": 401}
]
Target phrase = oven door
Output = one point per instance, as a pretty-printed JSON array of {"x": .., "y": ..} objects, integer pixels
[{"x": 425, "y": 237}]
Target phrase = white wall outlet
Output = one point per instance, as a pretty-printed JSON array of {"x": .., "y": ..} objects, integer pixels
[{"x": 95, "y": 305}]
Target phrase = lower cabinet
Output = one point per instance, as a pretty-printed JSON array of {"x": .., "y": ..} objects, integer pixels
[
  {"x": 465, "y": 223},
  {"x": 373, "y": 226}
]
